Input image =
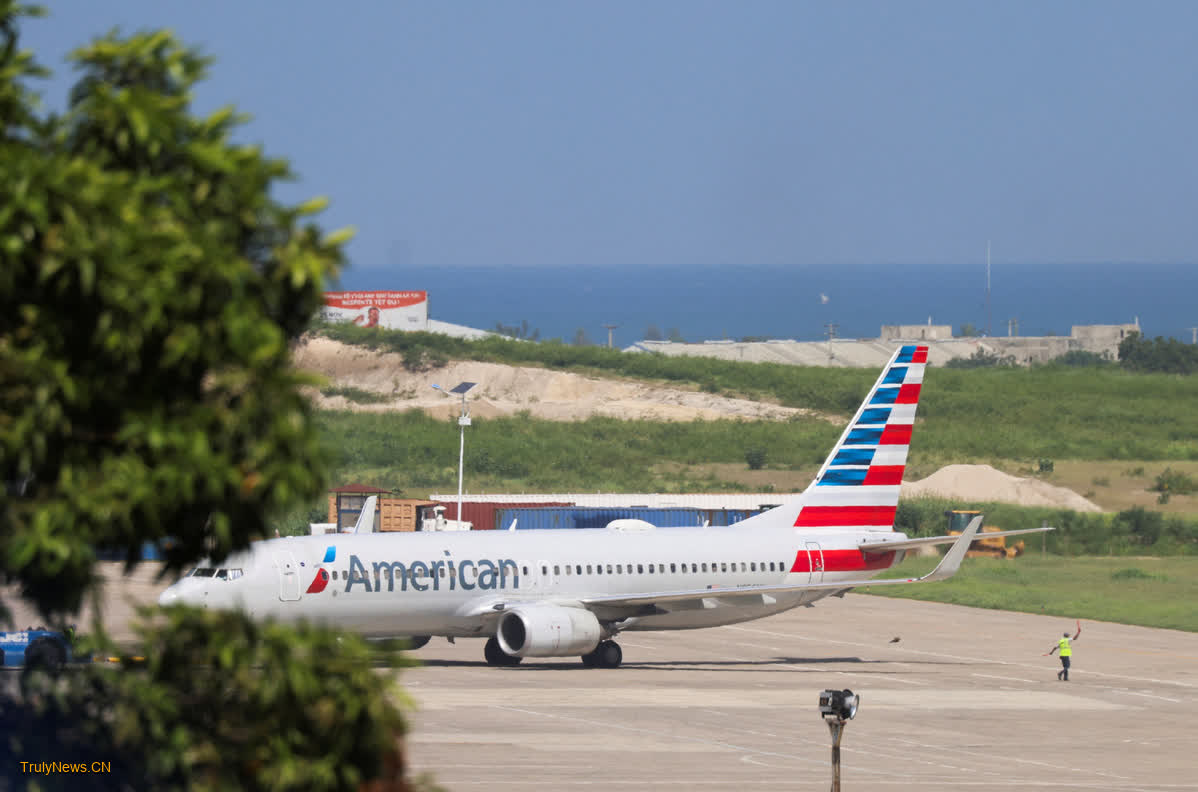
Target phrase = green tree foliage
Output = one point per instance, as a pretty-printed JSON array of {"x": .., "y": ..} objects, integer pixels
[
  {"x": 266, "y": 707},
  {"x": 1081, "y": 358},
  {"x": 1167, "y": 355},
  {"x": 1135, "y": 531},
  {"x": 520, "y": 332},
  {"x": 981, "y": 359},
  {"x": 149, "y": 289}
]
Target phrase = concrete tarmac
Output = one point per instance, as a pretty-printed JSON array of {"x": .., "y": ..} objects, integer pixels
[{"x": 964, "y": 700}]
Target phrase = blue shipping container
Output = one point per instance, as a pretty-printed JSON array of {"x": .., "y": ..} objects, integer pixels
[{"x": 535, "y": 518}]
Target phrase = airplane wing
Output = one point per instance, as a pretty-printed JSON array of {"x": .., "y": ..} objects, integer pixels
[
  {"x": 883, "y": 546},
  {"x": 947, "y": 567}
]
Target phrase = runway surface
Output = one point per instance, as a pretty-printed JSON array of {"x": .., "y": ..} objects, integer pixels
[{"x": 964, "y": 700}]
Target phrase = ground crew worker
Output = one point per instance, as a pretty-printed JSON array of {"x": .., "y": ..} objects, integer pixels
[{"x": 1066, "y": 652}]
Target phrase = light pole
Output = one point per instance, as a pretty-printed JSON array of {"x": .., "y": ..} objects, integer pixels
[
  {"x": 838, "y": 707},
  {"x": 463, "y": 422}
]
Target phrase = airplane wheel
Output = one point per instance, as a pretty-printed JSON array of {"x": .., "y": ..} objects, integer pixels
[
  {"x": 417, "y": 641},
  {"x": 609, "y": 655},
  {"x": 496, "y": 656},
  {"x": 590, "y": 659}
]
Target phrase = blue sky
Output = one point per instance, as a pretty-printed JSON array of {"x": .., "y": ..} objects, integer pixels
[{"x": 674, "y": 134}]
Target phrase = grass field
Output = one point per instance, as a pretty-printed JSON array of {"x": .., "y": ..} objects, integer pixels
[{"x": 1152, "y": 592}]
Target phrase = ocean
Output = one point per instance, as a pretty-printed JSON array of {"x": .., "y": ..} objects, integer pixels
[{"x": 801, "y": 303}]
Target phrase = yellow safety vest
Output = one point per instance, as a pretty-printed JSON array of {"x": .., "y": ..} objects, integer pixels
[{"x": 1064, "y": 645}]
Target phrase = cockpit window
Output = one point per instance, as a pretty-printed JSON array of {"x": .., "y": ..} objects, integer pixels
[{"x": 219, "y": 574}]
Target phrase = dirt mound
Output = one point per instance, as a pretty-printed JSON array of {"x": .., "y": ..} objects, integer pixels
[
  {"x": 984, "y": 483},
  {"x": 504, "y": 390}
]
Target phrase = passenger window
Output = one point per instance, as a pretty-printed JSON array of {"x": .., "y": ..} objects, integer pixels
[
  {"x": 525, "y": 571},
  {"x": 753, "y": 567},
  {"x": 771, "y": 566},
  {"x": 742, "y": 566},
  {"x": 640, "y": 569},
  {"x": 578, "y": 569},
  {"x": 620, "y": 569},
  {"x": 694, "y": 567},
  {"x": 545, "y": 571},
  {"x": 724, "y": 566},
  {"x": 673, "y": 568},
  {"x": 589, "y": 569},
  {"x": 599, "y": 569},
  {"x": 609, "y": 569},
  {"x": 442, "y": 571},
  {"x": 705, "y": 567},
  {"x": 334, "y": 574},
  {"x": 650, "y": 569}
]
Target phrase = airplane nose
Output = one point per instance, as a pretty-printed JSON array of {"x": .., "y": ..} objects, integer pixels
[{"x": 168, "y": 597}]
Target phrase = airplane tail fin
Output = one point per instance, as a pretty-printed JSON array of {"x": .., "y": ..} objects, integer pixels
[
  {"x": 858, "y": 485},
  {"x": 365, "y": 523}
]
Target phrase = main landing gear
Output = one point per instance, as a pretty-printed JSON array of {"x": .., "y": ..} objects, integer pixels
[
  {"x": 496, "y": 656},
  {"x": 607, "y": 654}
]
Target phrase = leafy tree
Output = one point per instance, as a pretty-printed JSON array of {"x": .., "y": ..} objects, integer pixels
[
  {"x": 675, "y": 335},
  {"x": 519, "y": 332},
  {"x": 982, "y": 359},
  {"x": 968, "y": 330},
  {"x": 149, "y": 290},
  {"x": 1167, "y": 355},
  {"x": 653, "y": 333},
  {"x": 581, "y": 338}
]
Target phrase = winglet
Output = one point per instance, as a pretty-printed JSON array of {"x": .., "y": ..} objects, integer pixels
[
  {"x": 951, "y": 562},
  {"x": 365, "y": 523}
]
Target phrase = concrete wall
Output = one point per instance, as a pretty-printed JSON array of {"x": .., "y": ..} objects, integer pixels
[{"x": 919, "y": 332}]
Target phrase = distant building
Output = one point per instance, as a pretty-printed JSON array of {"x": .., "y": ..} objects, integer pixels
[
  {"x": 391, "y": 514},
  {"x": 919, "y": 332},
  {"x": 874, "y": 352}
]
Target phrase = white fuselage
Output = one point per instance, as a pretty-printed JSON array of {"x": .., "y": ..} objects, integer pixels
[{"x": 441, "y": 583}]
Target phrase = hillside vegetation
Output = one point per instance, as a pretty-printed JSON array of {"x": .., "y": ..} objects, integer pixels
[
  {"x": 1153, "y": 592},
  {"x": 1054, "y": 411}
]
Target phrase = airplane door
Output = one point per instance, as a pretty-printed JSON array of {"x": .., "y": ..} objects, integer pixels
[
  {"x": 289, "y": 582},
  {"x": 815, "y": 563}
]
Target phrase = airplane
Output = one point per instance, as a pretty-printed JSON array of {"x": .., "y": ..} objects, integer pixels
[{"x": 571, "y": 592}]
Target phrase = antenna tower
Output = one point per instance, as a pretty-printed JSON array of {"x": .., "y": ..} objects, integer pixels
[{"x": 988, "y": 333}]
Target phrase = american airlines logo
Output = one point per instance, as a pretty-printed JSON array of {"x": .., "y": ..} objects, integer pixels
[
  {"x": 322, "y": 575},
  {"x": 484, "y": 574}
]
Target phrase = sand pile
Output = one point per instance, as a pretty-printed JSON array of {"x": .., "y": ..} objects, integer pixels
[
  {"x": 984, "y": 483},
  {"x": 504, "y": 390}
]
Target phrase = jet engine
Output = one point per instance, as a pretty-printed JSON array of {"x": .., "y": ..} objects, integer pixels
[{"x": 548, "y": 631}]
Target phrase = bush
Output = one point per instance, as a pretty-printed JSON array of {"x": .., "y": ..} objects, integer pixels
[
  {"x": 1174, "y": 482},
  {"x": 356, "y": 395},
  {"x": 1046, "y": 466},
  {"x": 755, "y": 457}
]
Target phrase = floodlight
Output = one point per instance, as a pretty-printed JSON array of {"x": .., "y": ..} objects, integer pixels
[
  {"x": 838, "y": 708},
  {"x": 463, "y": 421},
  {"x": 839, "y": 704}
]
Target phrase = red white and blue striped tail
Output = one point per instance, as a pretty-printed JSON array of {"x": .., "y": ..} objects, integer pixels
[{"x": 858, "y": 486}]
